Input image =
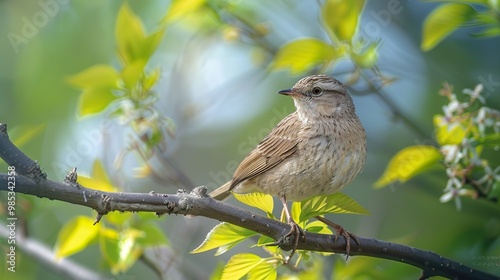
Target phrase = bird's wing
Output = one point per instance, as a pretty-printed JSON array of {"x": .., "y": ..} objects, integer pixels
[{"x": 281, "y": 143}]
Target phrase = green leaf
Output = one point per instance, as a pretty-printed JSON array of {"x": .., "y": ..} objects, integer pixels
[
  {"x": 258, "y": 200},
  {"x": 407, "y": 163},
  {"x": 492, "y": 31},
  {"x": 442, "y": 21},
  {"x": 129, "y": 35},
  {"x": 109, "y": 246},
  {"x": 296, "y": 212},
  {"x": 341, "y": 17},
  {"x": 491, "y": 140},
  {"x": 151, "y": 79},
  {"x": 151, "y": 43},
  {"x": 334, "y": 203},
  {"x": 182, "y": 8},
  {"x": 94, "y": 100},
  {"x": 318, "y": 227},
  {"x": 240, "y": 265},
  {"x": 486, "y": 18},
  {"x": 155, "y": 136},
  {"x": 133, "y": 44},
  {"x": 121, "y": 250},
  {"x": 75, "y": 236},
  {"x": 99, "y": 180},
  {"x": 266, "y": 270},
  {"x": 98, "y": 83},
  {"x": 129, "y": 248},
  {"x": 132, "y": 73},
  {"x": 217, "y": 272},
  {"x": 117, "y": 219},
  {"x": 301, "y": 55},
  {"x": 368, "y": 57},
  {"x": 446, "y": 133},
  {"x": 98, "y": 76},
  {"x": 265, "y": 242},
  {"x": 223, "y": 236},
  {"x": 495, "y": 191}
]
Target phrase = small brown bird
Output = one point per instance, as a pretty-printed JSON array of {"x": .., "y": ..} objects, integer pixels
[{"x": 316, "y": 150}]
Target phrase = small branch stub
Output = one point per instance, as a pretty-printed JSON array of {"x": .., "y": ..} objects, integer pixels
[{"x": 72, "y": 176}]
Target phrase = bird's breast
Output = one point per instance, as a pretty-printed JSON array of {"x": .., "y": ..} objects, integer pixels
[{"x": 328, "y": 157}]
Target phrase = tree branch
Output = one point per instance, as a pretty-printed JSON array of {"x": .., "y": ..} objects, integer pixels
[{"x": 198, "y": 203}]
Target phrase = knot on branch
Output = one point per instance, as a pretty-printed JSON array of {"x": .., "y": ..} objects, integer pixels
[
  {"x": 184, "y": 204},
  {"x": 103, "y": 206},
  {"x": 36, "y": 173},
  {"x": 200, "y": 191}
]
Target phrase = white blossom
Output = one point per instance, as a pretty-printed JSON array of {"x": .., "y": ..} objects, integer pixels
[
  {"x": 490, "y": 176},
  {"x": 476, "y": 93},
  {"x": 451, "y": 153}
]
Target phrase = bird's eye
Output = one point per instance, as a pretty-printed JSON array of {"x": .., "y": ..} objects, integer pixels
[{"x": 317, "y": 90}]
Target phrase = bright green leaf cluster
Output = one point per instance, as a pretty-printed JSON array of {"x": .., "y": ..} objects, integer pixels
[
  {"x": 450, "y": 16},
  {"x": 128, "y": 91},
  {"x": 120, "y": 244},
  {"x": 129, "y": 88},
  {"x": 340, "y": 19},
  {"x": 225, "y": 236},
  {"x": 103, "y": 84}
]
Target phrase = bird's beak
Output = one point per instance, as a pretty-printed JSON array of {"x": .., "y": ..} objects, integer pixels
[{"x": 289, "y": 92}]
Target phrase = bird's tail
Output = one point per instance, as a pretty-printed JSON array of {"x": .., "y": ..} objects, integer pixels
[{"x": 222, "y": 192}]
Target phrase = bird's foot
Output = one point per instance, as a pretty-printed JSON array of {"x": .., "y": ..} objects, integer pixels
[
  {"x": 347, "y": 235},
  {"x": 339, "y": 230},
  {"x": 295, "y": 234},
  {"x": 295, "y": 231}
]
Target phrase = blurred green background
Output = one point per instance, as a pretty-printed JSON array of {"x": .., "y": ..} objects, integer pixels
[{"x": 215, "y": 84}]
